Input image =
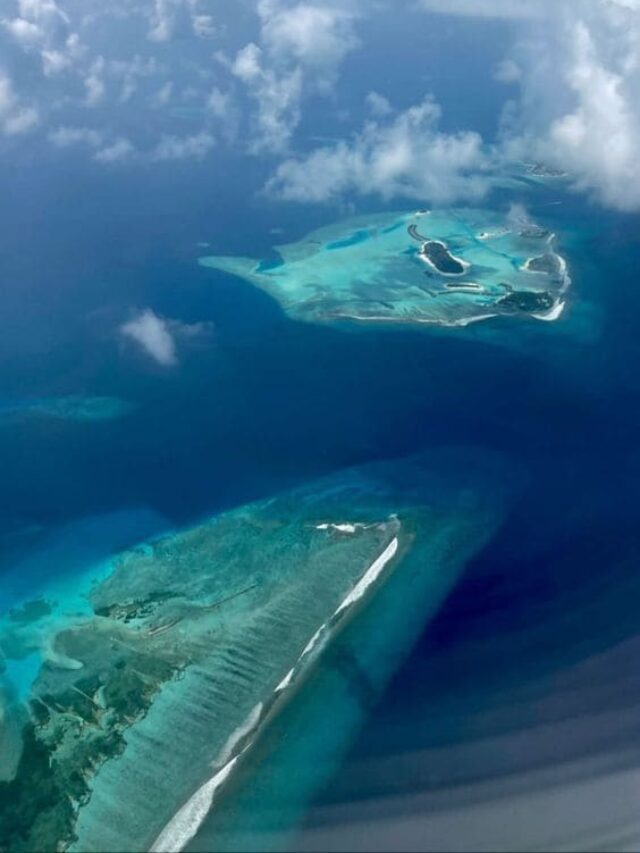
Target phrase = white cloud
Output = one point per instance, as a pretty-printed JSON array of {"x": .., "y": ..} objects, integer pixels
[
  {"x": 21, "y": 120},
  {"x": 128, "y": 73},
  {"x": 65, "y": 136},
  {"x": 110, "y": 150},
  {"x": 152, "y": 333},
  {"x": 67, "y": 55},
  {"x": 223, "y": 107},
  {"x": 25, "y": 32},
  {"x": 121, "y": 149},
  {"x": 277, "y": 95},
  {"x": 41, "y": 26},
  {"x": 599, "y": 138},
  {"x": 580, "y": 107},
  {"x": 104, "y": 151},
  {"x": 405, "y": 157},
  {"x": 37, "y": 21},
  {"x": 302, "y": 46},
  {"x": 516, "y": 9},
  {"x": 170, "y": 17},
  {"x": 576, "y": 63},
  {"x": 219, "y": 103},
  {"x": 57, "y": 60},
  {"x": 163, "y": 95},
  {"x": 518, "y": 216},
  {"x": 164, "y": 19},
  {"x": 194, "y": 147},
  {"x": 578, "y": 66},
  {"x": 159, "y": 337},
  {"x": 247, "y": 64},
  {"x": 54, "y": 62},
  {"x": 94, "y": 84},
  {"x": 507, "y": 71},
  {"x": 42, "y": 11},
  {"x": 203, "y": 26},
  {"x": 317, "y": 36},
  {"x": 378, "y": 105},
  {"x": 15, "y": 116}
]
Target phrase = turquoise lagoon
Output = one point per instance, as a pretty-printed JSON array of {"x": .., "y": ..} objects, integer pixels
[
  {"x": 146, "y": 694},
  {"x": 305, "y": 743},
  {"x": 447, "y": 268}
]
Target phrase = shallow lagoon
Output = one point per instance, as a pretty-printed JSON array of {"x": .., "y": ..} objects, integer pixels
[
  {"x": 447, "y": 268},
  {"x": 188, "y": 645},
  {"x": 305, "y": 743}
]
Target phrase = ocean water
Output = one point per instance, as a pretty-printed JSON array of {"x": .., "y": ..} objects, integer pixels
[
  {"x": 305, "y": 742},
  {"x": 534, "y": 647},
  {"x": 514, "y": 720},
  {"x": 266, "y": 404}
]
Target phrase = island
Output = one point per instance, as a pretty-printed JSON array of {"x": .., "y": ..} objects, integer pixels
[
  {"x": 433, "y": 267},
  {"x": 129, "y": 697},
  {"x": 543, "y": 170},
  {"x": 528, "y": 301},
  {"x": 549, "y": 264},
  {"x": 531, "y": 231},
  {"x": 437, "y": 254}
]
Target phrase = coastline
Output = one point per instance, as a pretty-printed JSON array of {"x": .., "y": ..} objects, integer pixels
[
  {"x": 181, "y": 829},
  {"x": 553, "y": 314},
  {"x": 427, "y": 260},
  {"x": 382, "y": 277}
]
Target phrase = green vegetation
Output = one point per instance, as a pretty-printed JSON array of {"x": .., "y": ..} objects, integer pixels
[
  {"x": 442, "y": 259},
  {"x": 72, "y": 731},
  {"x": 528, "y": 301}
]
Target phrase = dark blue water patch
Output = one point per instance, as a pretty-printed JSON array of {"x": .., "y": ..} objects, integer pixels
[
  {"x": 530, "y": 639},
  {"x": 270, "y": 401},
  {"x": 267, "y": 402},
  {"x": 282, "y": 402},
  {"x": 503, "y": 657},
  {"x": 269, "y": 264},
  {"x": 59, "y": 552},
  {"x": 390, "y": 228},
  {"x": 353, "y": 240}
]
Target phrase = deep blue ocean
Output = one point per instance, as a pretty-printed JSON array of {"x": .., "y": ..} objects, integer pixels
[{"x": 268, "y": 403}]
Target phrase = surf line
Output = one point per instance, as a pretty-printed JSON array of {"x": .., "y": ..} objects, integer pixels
[{"x": 184, "y": 825}]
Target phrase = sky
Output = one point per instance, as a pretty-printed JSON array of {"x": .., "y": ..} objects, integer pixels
[{"x": 132, "y": 83}]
